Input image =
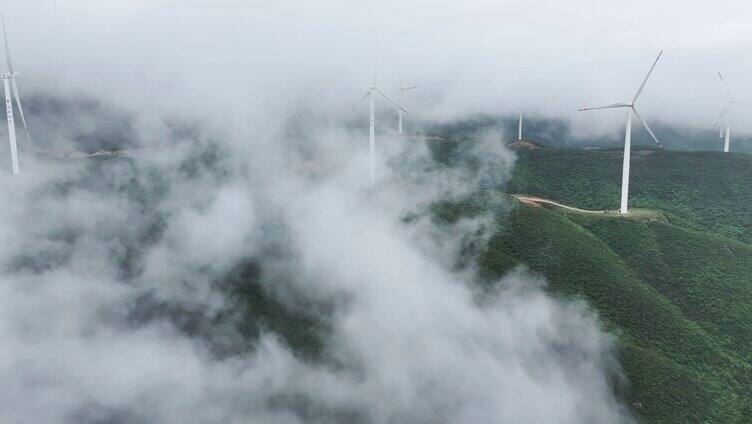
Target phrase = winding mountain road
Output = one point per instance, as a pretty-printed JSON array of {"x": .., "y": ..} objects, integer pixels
[
  {"x": 536, "y": 201},
  {"x": 634, "y": 213}
]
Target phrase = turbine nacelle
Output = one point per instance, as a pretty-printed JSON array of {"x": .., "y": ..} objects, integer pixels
[
  {"x": 631, "y": 103},
  {"x": 374, "y": 89}
]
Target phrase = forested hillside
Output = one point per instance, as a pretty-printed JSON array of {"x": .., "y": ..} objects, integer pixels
[
  {"x": 673, "y": 287},
  {"x": 701, "y": 190}
]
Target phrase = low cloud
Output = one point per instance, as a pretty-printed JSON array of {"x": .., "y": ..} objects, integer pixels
[{"x": 407, "y": 340}]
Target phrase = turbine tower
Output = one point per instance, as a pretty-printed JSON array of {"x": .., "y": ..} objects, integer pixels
[
  {"x": 9, "y": 83},
  {"x": 400, "y": 111},
  {"x": 630, "y": 106},
  {"x": 727, "y": 113},
  {"x": 372, "y": 91},
  {"x": 519, "y": 129}
]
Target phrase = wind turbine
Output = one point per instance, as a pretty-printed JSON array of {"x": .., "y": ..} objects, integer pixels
[
  {"x": 9, "y": 82},
  {"x": 372, "y": 91},
  {"x": 402, "y": 93},
  {"x": 630, "y": 106},
  {"x": 726, "y": 112},
  {"x": 519, "y": 129}
]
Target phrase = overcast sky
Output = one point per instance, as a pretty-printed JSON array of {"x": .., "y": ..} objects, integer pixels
[{"x": 469, "y": 56}]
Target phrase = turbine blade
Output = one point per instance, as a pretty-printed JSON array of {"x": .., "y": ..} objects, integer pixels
[
  {"x": 8, "y": 60},
  {"x": 642, "y": 86},
  {"x": 390, "y": 100},
  {"x": 722, "y": 115},
  {"x": 403, "y": 89},
  {"x": 362, "y": 100},
  {"x": 612, "y": 105},
  {"x": 20, "y": 109},
  {"x": 647, "y": 127}
]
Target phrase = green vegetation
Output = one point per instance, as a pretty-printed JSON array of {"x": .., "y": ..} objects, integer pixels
[
  {"x": 671, "y": 283},
  {"x": 673, "y": 286},
  {"x": 700, "y": 190},
  {"x": 678, "y": 301},
  {"x": 301, "y": 330}
]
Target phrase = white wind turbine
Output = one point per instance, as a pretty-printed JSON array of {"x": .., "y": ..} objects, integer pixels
[
  {"x": 400, "y": 110},
  {"x": 519, "y": 129},
  {"x": 9, "y": 83},
  {"x": 372, "y": 91},
  {"x": 630, "y": 106},
  {"x": 727, "y": 113}
]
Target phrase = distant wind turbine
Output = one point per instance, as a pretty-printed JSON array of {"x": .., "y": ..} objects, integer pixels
[
  {"x": 519, "y": 129},
  {"x": 372, "y": 91},
  {"x": 400, "y": 111},
  {"x": 727, "y": 113},
  {"x": 630, "y": 106},
  {"x": 9, "y": 82}
]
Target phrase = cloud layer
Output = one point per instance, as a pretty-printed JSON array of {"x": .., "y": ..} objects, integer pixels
[
  {"x": 95, "y": 242},
  {"x": 112, "y": 301}
]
